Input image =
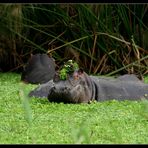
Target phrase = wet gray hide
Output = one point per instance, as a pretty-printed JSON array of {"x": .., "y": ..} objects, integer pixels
[{"x": 85, "y": 88}]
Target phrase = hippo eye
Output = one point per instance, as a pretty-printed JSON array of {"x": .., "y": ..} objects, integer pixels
[
  {"x": 75, "y": 77},
  {"x": 73, "y": 80}
]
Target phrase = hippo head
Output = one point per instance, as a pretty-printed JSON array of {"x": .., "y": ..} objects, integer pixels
[{"x": 75, "y": 89}]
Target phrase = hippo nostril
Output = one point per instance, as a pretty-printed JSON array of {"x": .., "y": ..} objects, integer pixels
[
  {"x": 53, "y": 88},
  {"x": 66, "y": 88}
]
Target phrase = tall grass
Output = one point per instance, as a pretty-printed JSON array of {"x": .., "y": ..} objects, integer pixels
[{"x": 102, "y": 38}]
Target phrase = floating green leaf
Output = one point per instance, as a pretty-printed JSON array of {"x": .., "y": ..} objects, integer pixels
[{"x": 69, "y": 67}]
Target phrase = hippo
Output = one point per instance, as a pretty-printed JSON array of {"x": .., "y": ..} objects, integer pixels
[
  {"x": 80, "y": 87},
  {"x": 39, "y": 69}
]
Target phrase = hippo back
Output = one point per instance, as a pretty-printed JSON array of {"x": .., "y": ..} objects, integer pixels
[
  {"x": 39, "y": 69},
  {"x": 126, "y": 87}
]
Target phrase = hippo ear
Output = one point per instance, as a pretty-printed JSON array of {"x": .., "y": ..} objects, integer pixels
[
  {"x": 31, "y": 55},
  {"x": 56, "y": 77},
  {"x": 30, "y": 58},
  {"x": 80, "y": 71}
]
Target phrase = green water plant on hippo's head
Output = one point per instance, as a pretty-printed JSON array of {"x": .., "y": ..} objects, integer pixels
[{"x": 69, "y": 67}]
